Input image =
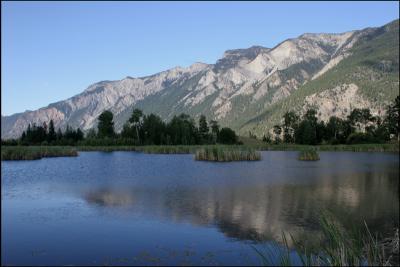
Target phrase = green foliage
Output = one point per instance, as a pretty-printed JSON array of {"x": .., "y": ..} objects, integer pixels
[
  {"x": 306, "y": 133},
  {"x": 335, "y": 131},
  {"x": 153, "y": 130},
  {"x": 227, "y": 136},
  {"x": 267, "y": 138},
  {"x": 51, "y": 136},
  {"x": 106, "y": 124},
  {"x": 204, "y": 129},
  {"x": 11, "y": 142},
  {"x": 127, "y": 131},
  {"x": 393, "y": 118},
  {"x": 290, "y": 124},
  {"x": 311, "y": 117},
  {"x": 277, "y": 131},
  {"x": 59, "y": 135},
  {"x": 359, "y": 138},
  {"x": 360, "y": 127},
  {"x": 140, "y": 129},
  {"x": 134, "y": 130},
  {"x": 38, "y": 135},
  {"x": 182, "y": 131},
  {"x": 91, "y": 133},
  {"x": 360, "y": 117},
  {"x": 214, "y": 131}
]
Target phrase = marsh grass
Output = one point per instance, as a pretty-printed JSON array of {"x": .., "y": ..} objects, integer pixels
[
  {"x": 191, "y": 149},
  {"x": 223, "y": 152},
  {"x": 164, "y": 149},
  {"x": 181, "y": 149},
  {"x": 308, "y": 155},
  {"x": 36, "y": 152},
  {"x": 389, "y": 147},
  {"x": 338, "y": 247},
  {"x": 226, "y": 153},
  {"x": 106, "y": 148}
]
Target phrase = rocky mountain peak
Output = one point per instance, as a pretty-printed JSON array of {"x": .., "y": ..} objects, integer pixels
[
  {"x": 232, "y": 58},
  {"x": 240, "y": 86}
]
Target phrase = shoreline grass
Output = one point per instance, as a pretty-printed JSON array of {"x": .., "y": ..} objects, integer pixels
[
  {"x": 36, "y": 152},
  {"x": 191, "y": 149},
  {"x": 390, "y": 147},
  {"x": 223, "y": 154}
]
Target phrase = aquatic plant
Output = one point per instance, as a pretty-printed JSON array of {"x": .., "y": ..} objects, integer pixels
[
  {"x": 308, "y": 155},
  {"x": 226, "y": 153},
  {"x": 338, "y": 247}
]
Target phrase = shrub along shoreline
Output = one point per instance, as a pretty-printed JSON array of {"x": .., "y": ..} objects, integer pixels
[{"x": 38, "y": 152}]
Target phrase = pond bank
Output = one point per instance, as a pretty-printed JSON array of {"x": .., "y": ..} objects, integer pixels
[
  {"x": 191, "y": 149},
  {"x": 38, "y": 152}
]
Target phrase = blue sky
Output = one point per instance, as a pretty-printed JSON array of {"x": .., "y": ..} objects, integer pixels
[{"x": 52, "y": 51}]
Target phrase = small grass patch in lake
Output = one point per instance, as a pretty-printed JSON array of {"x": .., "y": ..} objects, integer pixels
[
  {"x": 36, "y": 152},
  {"x": 225, "y": 153},
  {"x": 308, "y": 155}
]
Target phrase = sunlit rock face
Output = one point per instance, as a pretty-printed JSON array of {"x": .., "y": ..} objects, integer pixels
[
  {"x": 237, "y": 88},
  {"x": 340, "y": 101}
]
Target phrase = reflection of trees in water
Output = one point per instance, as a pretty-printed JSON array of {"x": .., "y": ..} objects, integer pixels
[{"x": 263, "y": 212}]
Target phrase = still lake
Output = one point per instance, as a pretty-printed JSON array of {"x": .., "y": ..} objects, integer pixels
[{"x": 129, "y": 208}]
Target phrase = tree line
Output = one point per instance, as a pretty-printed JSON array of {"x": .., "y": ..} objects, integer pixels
[
  {"x": 360, "y": 126},
  {"x": 46, "y": 135},
  {"x": 140, "y": 129}
]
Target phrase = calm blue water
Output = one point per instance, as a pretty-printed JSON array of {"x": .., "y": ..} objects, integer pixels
[{"x": 125, "y": 208}]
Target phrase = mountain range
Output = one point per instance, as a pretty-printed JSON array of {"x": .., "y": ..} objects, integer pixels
[{"x": 248, "y": 89}]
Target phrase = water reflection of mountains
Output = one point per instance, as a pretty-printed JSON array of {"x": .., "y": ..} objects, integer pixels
[{"x": 263, "y": 212}]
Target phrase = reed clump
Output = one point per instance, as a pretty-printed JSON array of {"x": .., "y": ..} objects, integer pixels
[
  {"x": 35, "y": 152},
  {"x": 223, "y": 154},
  {"x": 308, "y": 155},
  {"x": 337, "y": 247}
]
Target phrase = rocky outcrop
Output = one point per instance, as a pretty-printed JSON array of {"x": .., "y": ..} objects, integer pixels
[{"x": 339, "y": 102}]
